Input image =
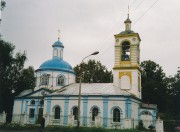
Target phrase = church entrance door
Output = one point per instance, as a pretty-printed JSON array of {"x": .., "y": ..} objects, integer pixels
[{"x": 40, "y": 115}]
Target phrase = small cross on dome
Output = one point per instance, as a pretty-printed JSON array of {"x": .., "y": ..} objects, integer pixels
[{"x": 58, "y": 34}]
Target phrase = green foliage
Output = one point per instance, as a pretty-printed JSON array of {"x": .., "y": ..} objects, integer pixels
[
  {"x": 161, "y": 90},
  {"x": 140, "y": 125},
  {"x": 17, "y": 126},
  {"x": 154, "y": 86},
  {"x": 63, "y": 128},
  {"x": 26, "y": 80},
  {"x": 174, "y": 92},
  {"x": 93, "y": 72},
  {"x": 3, "y": 4},
  {"x": 169, "y": 125},
  {"x": 13, "y": 77}
]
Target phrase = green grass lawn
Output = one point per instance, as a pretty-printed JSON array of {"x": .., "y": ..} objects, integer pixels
[{"x": 62, "y": 129}]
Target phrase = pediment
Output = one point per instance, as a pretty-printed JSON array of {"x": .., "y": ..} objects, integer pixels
[{"x": 35, "y": 94}]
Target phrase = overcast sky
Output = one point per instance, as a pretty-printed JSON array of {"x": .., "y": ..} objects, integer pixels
[{"x": 90, "y": 25}]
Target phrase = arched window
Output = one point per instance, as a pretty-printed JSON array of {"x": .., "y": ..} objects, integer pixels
[
  {"x": 94, "y": 113},
  {"x": 31, "y": 113},
  {"x": 57, "y": 113},
  {"x": 41, "y": 102},
  {"x": 44, "y": 79},
  {"x": 125, "y": 51},
  {"x": 116, "y": 115},
  {"x": 60, "y": 80},
  {"x": 61, "y": 53},
  {"x": 146, "y": 113},
  {"x": 32, "y": 102},
  {"x": 55, "y": 52},
  {"x": 75, "y": 113}
]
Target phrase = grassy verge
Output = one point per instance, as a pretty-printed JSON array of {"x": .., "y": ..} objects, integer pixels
[
  {"x": 62, "y": 129},
  {"x": 87, "y": 129}
]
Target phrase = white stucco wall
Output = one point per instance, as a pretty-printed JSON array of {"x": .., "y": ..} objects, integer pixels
[
  {"x": 17, "y": 107},
  {"x": 133, "y": 86}
]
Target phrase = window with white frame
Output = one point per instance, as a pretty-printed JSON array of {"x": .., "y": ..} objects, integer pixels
[
  {"x": 95, "y": 112},
  {"x": 44, "y": 79},
  {"x": 32, "y": 102},
  {"x": 116, "y": 115},
  {"x": 55, "y": 52},
  {"x": 31, "y": 113},
  {"x": 41, "y": 102},
  {"x": 146, "y": 113},
  {"x": 75, "y": 113},
  {"x": 60, "y": 80},
  {"x": 57, "y": 112}
]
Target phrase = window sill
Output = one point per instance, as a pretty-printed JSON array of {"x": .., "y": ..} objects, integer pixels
[
  {"x": 56, "y": 120},
  {"x": 116, "y": 123},
  {"x": 31, "y": 118}
]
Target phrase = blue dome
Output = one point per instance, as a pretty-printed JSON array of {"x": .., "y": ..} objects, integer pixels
[
  {"x": 56, "y": 64},
  {"x": 58, "y": 44}
]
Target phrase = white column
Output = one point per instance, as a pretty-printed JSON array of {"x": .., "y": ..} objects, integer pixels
[
  {"x": 159, "y": 125},
  {"x": 46, "y": 116}
]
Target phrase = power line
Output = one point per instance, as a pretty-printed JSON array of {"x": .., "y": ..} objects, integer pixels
[
  {"x": 133, "y": 2},
  {"x": 139, "y": 4},
  {"x": 113, "y": 29},
  {"x": 146, "y": 12}
]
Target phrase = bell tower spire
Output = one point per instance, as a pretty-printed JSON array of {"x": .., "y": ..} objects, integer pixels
[
  {"x": 127, "y": 22},
  {"x": 128, "y": 11}
]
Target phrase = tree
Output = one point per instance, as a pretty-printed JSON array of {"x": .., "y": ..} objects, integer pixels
[
  {"x": 26, "y": 80},
  {"x": 13, "y": 77},
  {"x": 93, "y": 72},
  {"x": 154, "y": 85},
  {"x": 174, "y": 93},
  {"x": 6, "y": 58},
  {"x": 3, "y": 4}
]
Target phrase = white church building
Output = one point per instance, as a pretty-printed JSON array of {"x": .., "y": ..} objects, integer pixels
[{"x": 108, "y": 105}]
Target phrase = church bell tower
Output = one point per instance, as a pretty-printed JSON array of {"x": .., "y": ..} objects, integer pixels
[{"x": 127, "y": 75}]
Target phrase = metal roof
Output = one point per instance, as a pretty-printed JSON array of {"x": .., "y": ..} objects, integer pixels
[{"x": 91, "y": 89}]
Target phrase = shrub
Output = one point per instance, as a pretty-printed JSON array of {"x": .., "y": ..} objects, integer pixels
[{"x": 140, "y": 125}]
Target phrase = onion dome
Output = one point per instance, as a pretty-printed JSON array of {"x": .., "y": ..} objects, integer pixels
[{"x": 58, "y": 44}]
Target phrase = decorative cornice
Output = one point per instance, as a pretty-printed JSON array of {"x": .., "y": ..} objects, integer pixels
[
  {"x": 127, "y": 68},
  {"x": 54, "y": 69},
  {"x": 128, "y": 35}
]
